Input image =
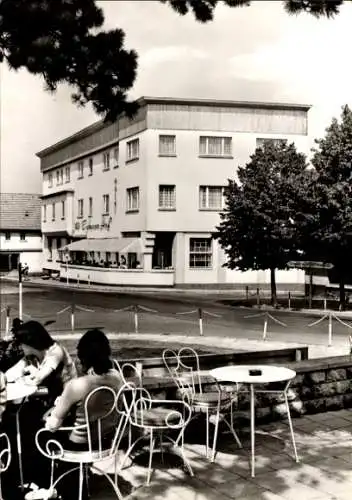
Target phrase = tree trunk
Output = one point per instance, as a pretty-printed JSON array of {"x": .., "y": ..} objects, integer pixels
[
  {"x": 273, "y": 287},
  {"x": 342, "y": 292}
]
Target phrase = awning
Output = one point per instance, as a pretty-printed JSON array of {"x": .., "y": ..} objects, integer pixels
[{"x": 119, "y": 245}]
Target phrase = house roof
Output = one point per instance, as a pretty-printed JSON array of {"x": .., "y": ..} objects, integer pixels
[{"x": 20, "y": 211}]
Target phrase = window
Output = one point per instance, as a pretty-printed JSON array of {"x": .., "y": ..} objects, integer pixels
[
  {"x": 115, "y": 195},
  {"x": 116, "y": 156},
  {"x": 90, "y": 166},
  {"x": 215, "y": 146},
  {"x": 44, "y": 213},
  {"x": 261, "y": 142},
  {"x": 167, "y": 145},
  {"x": 61, "y": 175},
  {"x": 50, "y": 248},
  {"x": 133, "y": 150},
  {"x": 7, "y": 235},
  {"x": 90, "y": 207},
  {"x": 63, "y": 209},
  {"x": 68, "y": 174},
  {"x": 167, "y": 197},
  {"x": 200, "y": 253},
  {"x": 106, "y": 204},
  {"x": 80, "y": 169},
  {"x": 106, "y": 160},
  {"x": 50, "y": 180},
  {"x": 80, "y": 208},
  {"x": 57, "y": 177},
  {"x": 53, "y": 211},
  {"x": 211, "y": 197},
  {"x": 132, "y": 199},
  {"x": 22, "y": 236}
]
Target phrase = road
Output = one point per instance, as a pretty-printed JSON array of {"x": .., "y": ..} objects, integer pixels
[{"x": 161, "y": 312}]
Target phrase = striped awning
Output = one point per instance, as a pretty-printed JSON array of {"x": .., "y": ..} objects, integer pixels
[{"x": 119, "y": 245}]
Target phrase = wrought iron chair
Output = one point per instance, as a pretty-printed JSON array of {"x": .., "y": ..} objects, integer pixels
[
  {"x": 5, "y": 456},
  {"x": 158, "y": 419},
  {"x": 184, "y": 369},
  {"x": 96, "y": 452}
]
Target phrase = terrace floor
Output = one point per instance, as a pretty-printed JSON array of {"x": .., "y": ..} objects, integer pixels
[{"x": 324, "y": 443}]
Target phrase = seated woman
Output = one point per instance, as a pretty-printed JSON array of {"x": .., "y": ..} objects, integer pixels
[
  {"x": 10, "y": 350},
  {"x": 94, "y": 354},
  {"x": 2, "y": 395},
  {"x": 45, "y": 361}
]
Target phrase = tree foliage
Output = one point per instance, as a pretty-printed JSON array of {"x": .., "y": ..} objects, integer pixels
[
  {"x": 63, "y": 42},
  {"x": 60, "y": 40},
  {"x": 258, "y": 226},
  {"x": 325, "y": 212}
]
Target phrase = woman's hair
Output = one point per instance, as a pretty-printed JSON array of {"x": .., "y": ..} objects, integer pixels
[
  {"x": 33, "y": 334},
  {"x": 94, "y": 351}
]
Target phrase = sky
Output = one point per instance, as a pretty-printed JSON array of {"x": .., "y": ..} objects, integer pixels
[{"x": 257, "y": 53}]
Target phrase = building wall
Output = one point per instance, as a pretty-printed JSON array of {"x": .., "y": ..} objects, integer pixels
[
  {"x": 256, "y": 119},
  {"x": 29, "y": 249},
  {"x": 188, "y": 171}
]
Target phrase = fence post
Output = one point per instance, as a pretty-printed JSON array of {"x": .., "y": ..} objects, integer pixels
[
  {"x": 265, "y": 330},
  {"x": 88, "y": 279},
  {"x": 289, "y": 301},
  {"x": 258, "y": 297},
  {"x": 200, "y": 316},
  {"x": 247, "y": 294},
  {"x": 77, "y": 279},
  {"x": 325, "y": 301},
  {"x": 330, "y": 329},
  {"x": 7, "y": 327},
  {"x": 135, "y": 308},
  {"x": 72, "y": 317}
]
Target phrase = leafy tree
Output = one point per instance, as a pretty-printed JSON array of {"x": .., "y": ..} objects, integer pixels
[
  {"x": 203, "y": 10},
  {"x": 58, "y": 39},
  {"x": 258, "y": 228},
  {"x": 324, "y": 214},
  {"x": 62, "y": 41}
]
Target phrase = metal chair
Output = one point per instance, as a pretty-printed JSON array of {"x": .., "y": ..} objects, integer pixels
[
  {"x": 158, "y": 418},
  {"x": 184, "y": 369},
  {"x": 96, "y": 452},
  {"x": 5, "y": 456}
]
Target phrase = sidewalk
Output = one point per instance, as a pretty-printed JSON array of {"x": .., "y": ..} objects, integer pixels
[{"x": 324, "y": 443}]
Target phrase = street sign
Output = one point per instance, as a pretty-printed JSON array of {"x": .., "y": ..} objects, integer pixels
[{"x": 309, "y": 264}]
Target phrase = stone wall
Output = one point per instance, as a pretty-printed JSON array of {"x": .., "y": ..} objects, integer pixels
[{"x": 320, "y": 385}]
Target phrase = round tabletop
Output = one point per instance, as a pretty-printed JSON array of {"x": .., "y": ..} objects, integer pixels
[
  {"x": 241, "y": 374},
  {"x": 19, "y": 390}
]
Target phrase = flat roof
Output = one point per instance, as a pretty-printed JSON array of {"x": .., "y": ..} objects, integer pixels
[{"x": 143, "y": 101}]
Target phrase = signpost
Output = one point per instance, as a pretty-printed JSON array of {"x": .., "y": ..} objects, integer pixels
[
  {"x": 309, "y": 265},
  {"x": 20, "y": 291}
]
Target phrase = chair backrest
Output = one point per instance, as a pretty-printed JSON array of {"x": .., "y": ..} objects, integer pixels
[
  {"x": 127, "y": 370},
  {"x": 102, "y": 409},
  {"x": 5, "y": 452},
  {"x": 189, "y": 362},
  {"x": 184, "y": 372}
]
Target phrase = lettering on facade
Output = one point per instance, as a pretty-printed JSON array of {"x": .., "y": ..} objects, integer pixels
[{"x": 85, "y": 225}]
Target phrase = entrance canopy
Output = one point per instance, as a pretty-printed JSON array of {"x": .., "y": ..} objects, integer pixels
[{"x": 119, "y": 245}]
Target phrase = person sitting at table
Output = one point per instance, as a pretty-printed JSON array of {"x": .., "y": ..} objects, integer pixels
[
  {"x": 94, "y": 354},
  {"x": 45, "y": 361},
  {"x": 2, "y": 394},
  {"x": 10, "y": 350}
]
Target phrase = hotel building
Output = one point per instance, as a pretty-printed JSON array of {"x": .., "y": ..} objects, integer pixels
[{"x": 147, "y": 192}]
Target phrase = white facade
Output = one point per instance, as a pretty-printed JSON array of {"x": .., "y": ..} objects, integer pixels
[
  {"x": 20, "y": 232},
  {"x": 160, "y": 178}
]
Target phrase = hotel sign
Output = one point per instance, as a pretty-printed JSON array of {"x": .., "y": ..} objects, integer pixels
[{"x": 84, "y": 225}]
